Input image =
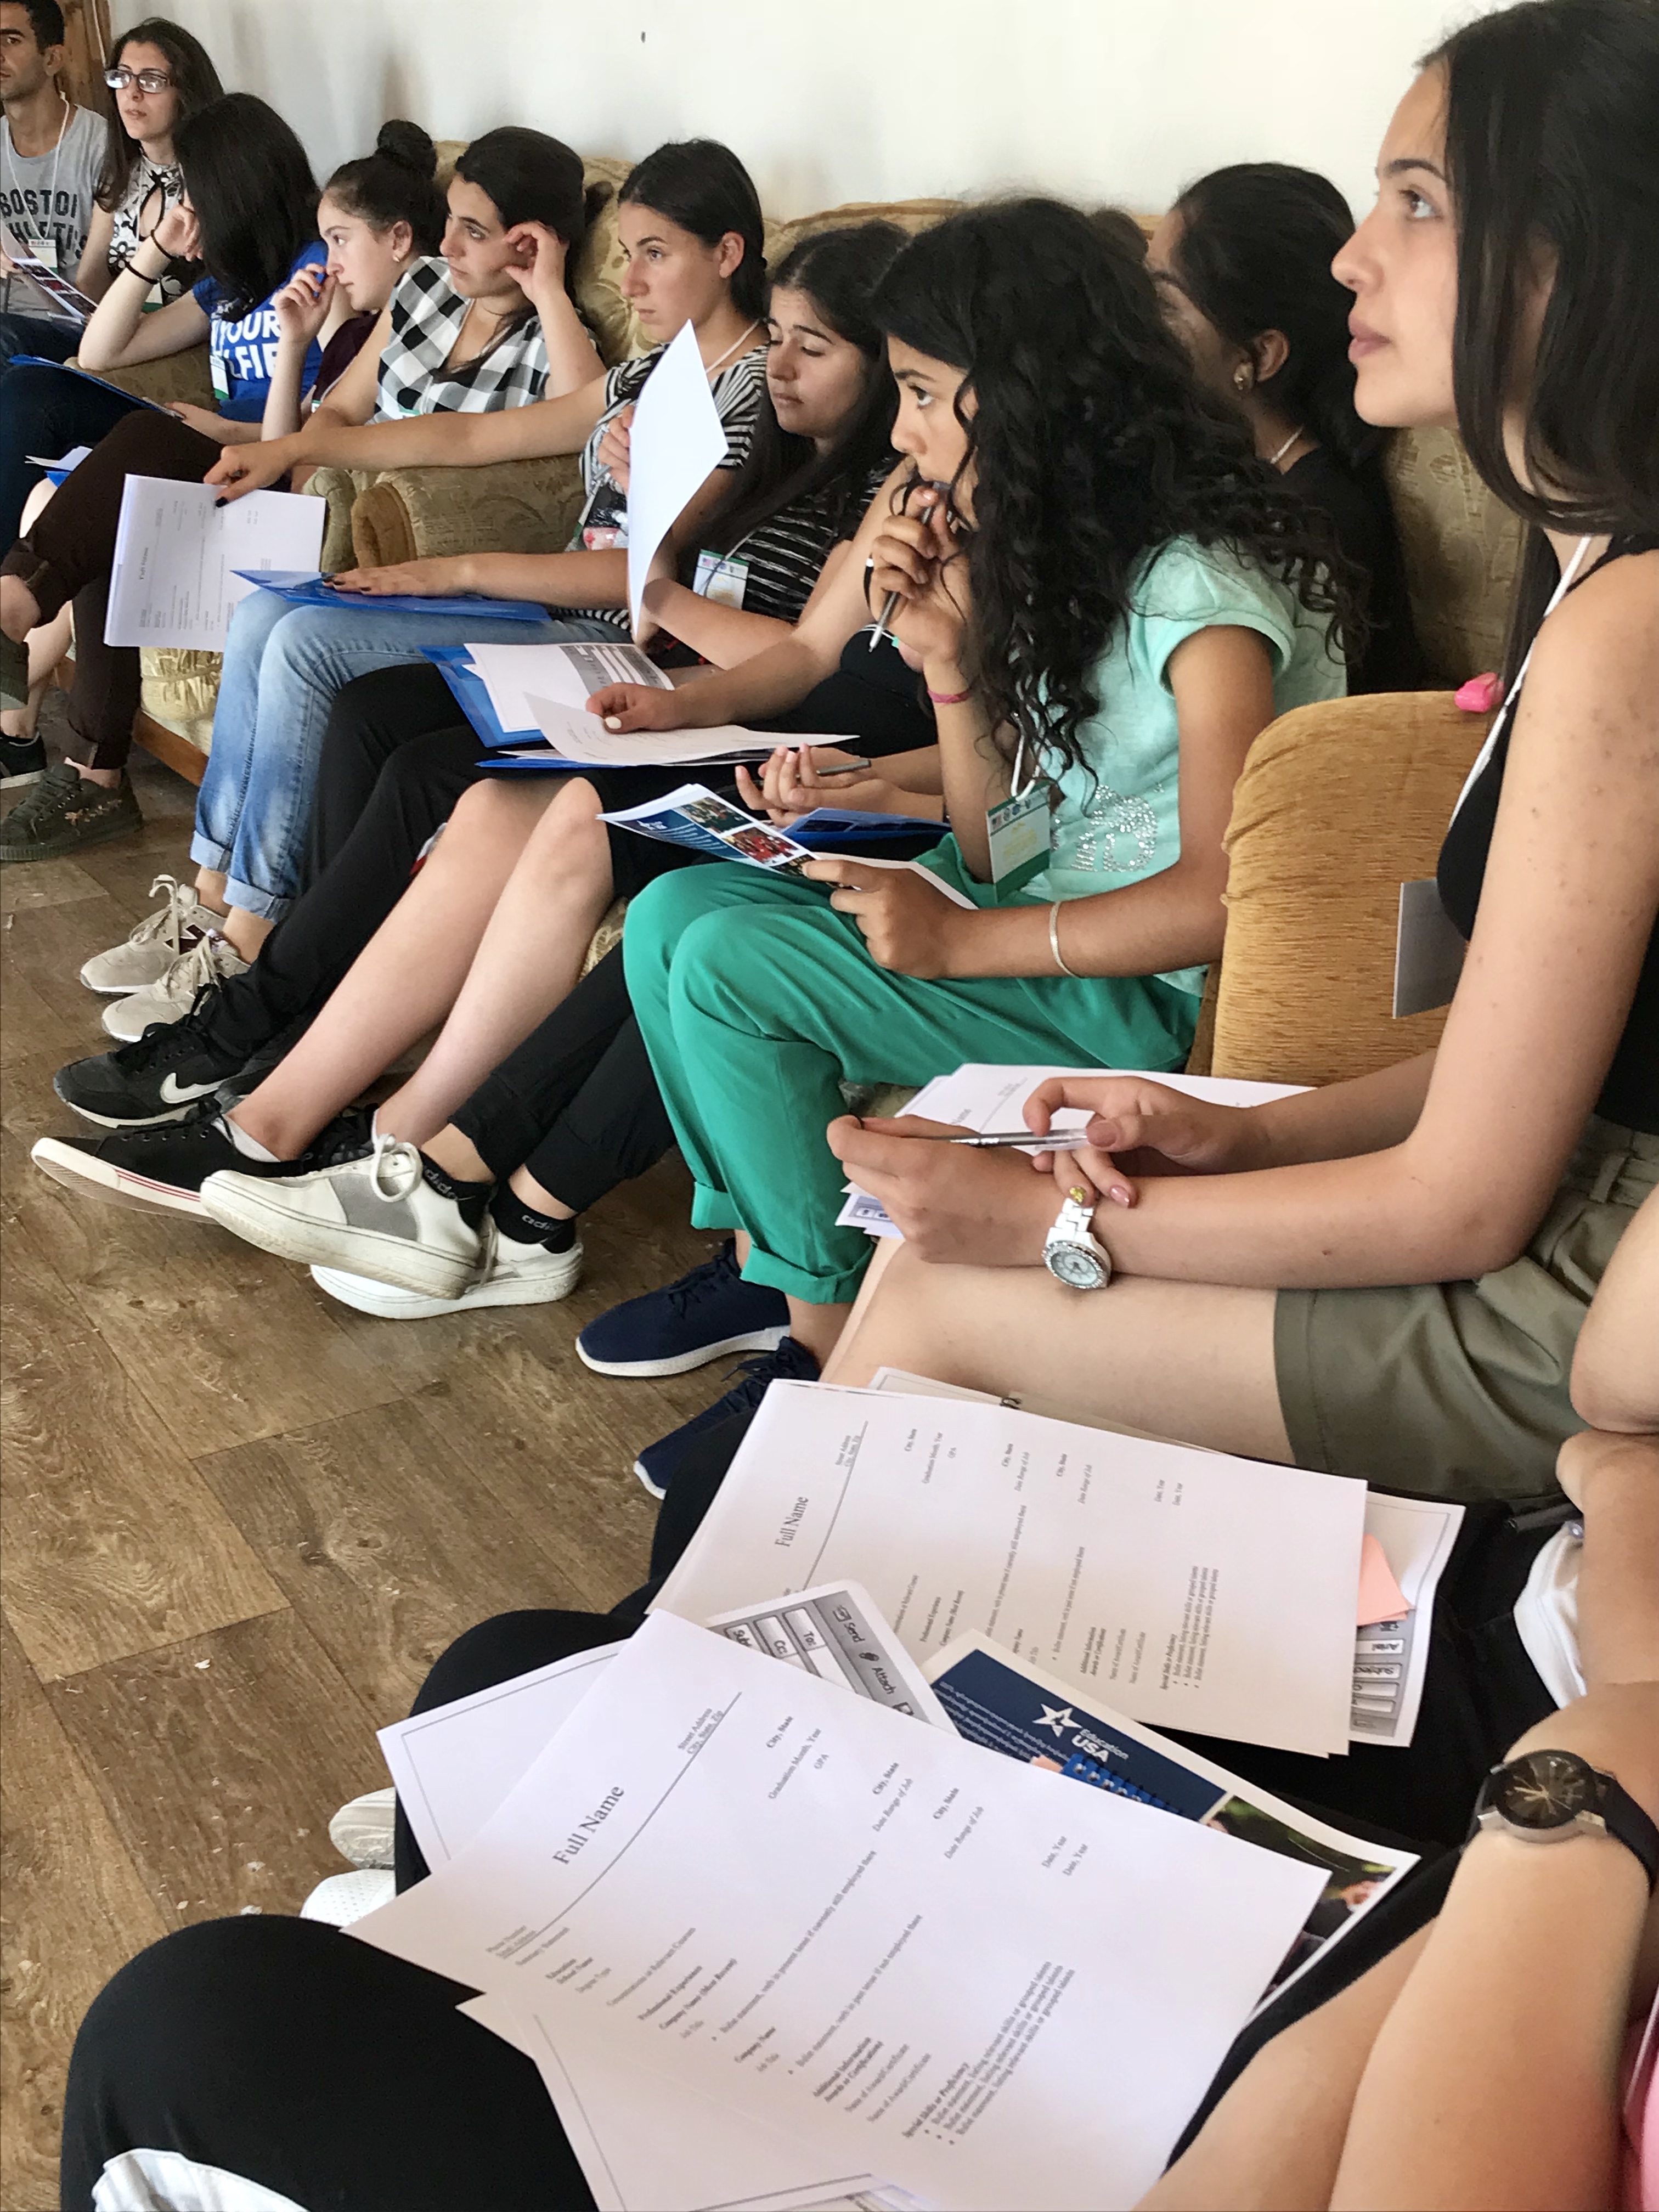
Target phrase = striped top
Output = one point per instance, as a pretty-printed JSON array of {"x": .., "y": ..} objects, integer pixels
[
  {"x": 427, "y": 315},
  {"x": 785, "y": 554}
]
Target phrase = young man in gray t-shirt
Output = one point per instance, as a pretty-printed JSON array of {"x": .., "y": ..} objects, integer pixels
[{"x": 51, "y": 152}]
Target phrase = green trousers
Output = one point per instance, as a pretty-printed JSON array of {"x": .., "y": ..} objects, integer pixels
[{"x": 757, "y": 1000}]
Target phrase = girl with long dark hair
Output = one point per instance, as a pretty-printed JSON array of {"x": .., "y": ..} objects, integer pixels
[
  {"x": 159, "y": 75},
  {"x": 1242, "y": 266},
  {"x": 1385, "y": 1278}
]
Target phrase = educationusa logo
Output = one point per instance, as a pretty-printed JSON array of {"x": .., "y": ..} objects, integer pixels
[{"x": 1057, "y": 1718}]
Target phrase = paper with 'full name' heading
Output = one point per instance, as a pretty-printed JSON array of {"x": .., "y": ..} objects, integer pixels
[
  {"x": 1187, "y": 1589},
  {"x": 922, "y": 1960}
]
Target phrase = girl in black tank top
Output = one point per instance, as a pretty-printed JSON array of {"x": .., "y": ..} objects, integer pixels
[{"x": 1630, "y": 1093}]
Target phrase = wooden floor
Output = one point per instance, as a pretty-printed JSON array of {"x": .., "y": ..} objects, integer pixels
[{"x": 239, "y": 1519}]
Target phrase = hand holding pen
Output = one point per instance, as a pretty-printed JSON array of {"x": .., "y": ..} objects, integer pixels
[{"x": 914, "y": 565}]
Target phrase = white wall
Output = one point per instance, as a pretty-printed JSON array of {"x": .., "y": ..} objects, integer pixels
[{"x": 846, "y": 100}]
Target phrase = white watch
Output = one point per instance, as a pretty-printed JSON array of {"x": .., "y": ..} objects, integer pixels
[{"x": 1071, "y": 1252}]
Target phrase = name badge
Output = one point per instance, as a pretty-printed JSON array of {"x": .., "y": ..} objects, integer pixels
[
  {"x": 1428, "y": 952},
  {"x": 44, "y": 251},
  {"x": 721, "y": 578},
  {"x": 220, "y": 369},
  {"x": 1021, "y": 838}
]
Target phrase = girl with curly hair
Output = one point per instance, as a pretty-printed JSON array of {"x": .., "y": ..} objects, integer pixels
[{"x": 1108, "y": 596}]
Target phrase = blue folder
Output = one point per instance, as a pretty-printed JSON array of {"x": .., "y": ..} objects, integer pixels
[
  {"x": 39, "y": 361},
  {"x": 472, "y": 697},
  {"x": 836, "y": 826},
  {"x": 303, "y": 590}
]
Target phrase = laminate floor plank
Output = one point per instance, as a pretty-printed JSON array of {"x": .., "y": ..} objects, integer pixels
[
  {"x": 75, "y": 1911},
  {"x": 113, "y": 1542},
  {"x": 372, "y": 1527},
  {"x": 48, "y": 946},
  {"x": 219, "y": 1762}
]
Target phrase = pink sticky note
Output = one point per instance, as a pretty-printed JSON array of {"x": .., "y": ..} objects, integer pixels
[{"x": 1381, "y": 1597}]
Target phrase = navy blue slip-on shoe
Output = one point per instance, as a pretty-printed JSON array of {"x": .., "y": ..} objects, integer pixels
[
  {"x": 706, "y": 1315},
  {"x": 788, "y": 1362}
]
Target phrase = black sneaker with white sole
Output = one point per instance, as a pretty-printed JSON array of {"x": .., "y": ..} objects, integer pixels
[
  {"x": 166, "y": 1167},
  {"x": 172, "y": 1066},
  {"x": 22, "y": 760}
]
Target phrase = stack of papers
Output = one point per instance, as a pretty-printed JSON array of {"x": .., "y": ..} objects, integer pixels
[
  {"x": 183, "y": 560},
  {"x": 823, "y": 1947}
]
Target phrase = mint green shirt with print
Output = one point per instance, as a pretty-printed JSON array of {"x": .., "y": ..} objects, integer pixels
[{"x": 1123, "y": 823}]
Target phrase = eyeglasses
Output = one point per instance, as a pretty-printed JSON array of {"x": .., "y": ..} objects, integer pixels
[{"x": 118, "y": 80}]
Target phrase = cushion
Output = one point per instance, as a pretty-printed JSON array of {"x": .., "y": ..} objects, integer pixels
[
  {"x": 1460, "y": 549},
  {"x": 178, "y": 688},
  {"x": 597, "y": 286},
  {"x": 1338, "y": 804},
  {"x": 503, "y": 506},
  {"x": 176, "y": 376}
]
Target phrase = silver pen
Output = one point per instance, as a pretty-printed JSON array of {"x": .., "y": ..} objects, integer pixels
[
  {"x": 1062, "y": 1140},
  {"x": 890, "y": 605}
]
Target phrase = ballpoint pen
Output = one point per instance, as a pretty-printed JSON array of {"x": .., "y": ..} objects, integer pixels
[
  {"x": 890, "y": 605},
  {"x": 1058, "y": 1141}
]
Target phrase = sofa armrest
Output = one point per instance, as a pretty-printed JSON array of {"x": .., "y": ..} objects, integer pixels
[
  {"x": 505, "y": 507},
  {"x": 175, "y": 376}
]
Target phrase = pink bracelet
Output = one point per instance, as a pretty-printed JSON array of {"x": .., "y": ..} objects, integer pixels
[{"x": 949, "y": 698}]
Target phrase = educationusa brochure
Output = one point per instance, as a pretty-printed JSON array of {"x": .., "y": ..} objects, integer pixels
[
  {"x": 1009, "y": 1705},
  {"x": 698, "y": 818}
]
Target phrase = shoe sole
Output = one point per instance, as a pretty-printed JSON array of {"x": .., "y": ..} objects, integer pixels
[
  {"x": 57, "y": 848},
  {"x": 115, "y": 1186},
  {"x": 118, "y": 990},
  {"x": 127, "y": 1034},
  {"x": 28, "y": 775},
  {"x": 758, "y": 1339},
  {"x": 391, "y": 1260},
  {"x": 658, "y": 1490},
  {"x": 387, "y": 1303},
  {"x": 135, "y": 1121}
]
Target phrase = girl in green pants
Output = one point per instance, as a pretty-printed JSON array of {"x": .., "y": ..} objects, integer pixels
[{"x": 1107, "y": 596}]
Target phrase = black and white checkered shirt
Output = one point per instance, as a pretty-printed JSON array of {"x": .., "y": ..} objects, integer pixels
[{"x": 426, "y": 314}]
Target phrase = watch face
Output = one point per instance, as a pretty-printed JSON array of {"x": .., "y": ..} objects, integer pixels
[
  {"x": 1546, "y": 1789},
  {"x": 1075, "y": 1265}
]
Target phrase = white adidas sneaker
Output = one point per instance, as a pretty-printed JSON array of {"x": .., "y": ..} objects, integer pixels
[
  {"x": 210, "y": 959},
  {"x": 362, "y": 1831},
  {"x": 142, "y": 957},
  {"x": 376, "y": 1216},
  {"x": 511, "y": 1274},
  {"x": 340, "y": 1898}
]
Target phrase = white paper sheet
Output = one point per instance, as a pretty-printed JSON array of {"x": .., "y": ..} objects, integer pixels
[
  {"x": 1391, "y": 1657},
  {"x": 906, "y": 1952},
  {"x": 1191, "y": 1589},
  {"x": 175, "y": 580},
  {"x": 980, "y": 1095},
  {"x": 674, "y": 442},
  {"x": 582, "y": 738},
  {"x": 568, "y": 674}
]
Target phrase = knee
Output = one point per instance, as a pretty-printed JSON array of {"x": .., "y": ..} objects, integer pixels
[
  {"x": 176, "y": 1997},
  {"x": 511, "y": 1643}
]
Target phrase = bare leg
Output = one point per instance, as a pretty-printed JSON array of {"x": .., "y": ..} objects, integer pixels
[
  {"x": 405, "y": 980},
  {"x": 1193, "y": 1362},
  {"x": 530, "y": 957},
  {"x": 247, "y": 932},
  {"x": 48, "y": 643},
  {"x": 1273, "y": 2143},
  {"x": 19, "y": 611},
  {"x": 818, "y": 1327},
  {"x": 211, "y": 889}
]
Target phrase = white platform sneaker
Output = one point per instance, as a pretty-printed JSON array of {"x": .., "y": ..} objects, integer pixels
[
  {"x": 509, "y": 1274},
  {"x": 378, "y": 1215}
]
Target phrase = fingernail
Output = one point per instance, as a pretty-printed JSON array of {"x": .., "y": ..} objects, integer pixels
[
  {"x": 613, "y": 722},
  {"x": 219, "y": 502},
  {"x": 1120, "y": 1197}
]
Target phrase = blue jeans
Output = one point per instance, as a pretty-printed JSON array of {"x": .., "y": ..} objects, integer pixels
[{"x": 283, "y": 666}]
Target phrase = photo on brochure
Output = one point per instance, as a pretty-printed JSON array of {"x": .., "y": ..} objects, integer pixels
[{"x": 699, "y": 817}]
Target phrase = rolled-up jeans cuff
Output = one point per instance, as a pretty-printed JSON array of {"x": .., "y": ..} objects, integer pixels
[
  {"x": 207, "y": 853},
  {"x": 266, "y": 906}
]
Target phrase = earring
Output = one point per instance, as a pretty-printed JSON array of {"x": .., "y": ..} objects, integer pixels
[{"x": 1241, "y": 379}]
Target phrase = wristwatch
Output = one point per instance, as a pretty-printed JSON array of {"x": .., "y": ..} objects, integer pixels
[
  {"x": 1071, "y": 1252},
  {"x": 1551, "y": 1796}
]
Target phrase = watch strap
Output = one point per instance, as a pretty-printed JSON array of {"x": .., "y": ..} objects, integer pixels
[{"x": 1624, "y": 1818}]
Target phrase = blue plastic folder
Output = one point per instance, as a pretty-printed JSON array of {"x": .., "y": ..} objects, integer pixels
[
  {"x": 39, "y": 361},
  {"x": 472, "y": 697},
  {"x": 835, "y": 827},
  {"x": 302, "y": 590}
]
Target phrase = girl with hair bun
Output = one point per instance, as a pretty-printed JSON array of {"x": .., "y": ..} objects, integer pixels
[{"x": 1242, "y": 266}]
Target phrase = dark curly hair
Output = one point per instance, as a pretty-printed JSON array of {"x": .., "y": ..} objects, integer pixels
[{"x": 1092, "y": 446}]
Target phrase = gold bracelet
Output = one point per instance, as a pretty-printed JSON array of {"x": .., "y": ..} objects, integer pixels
[{"x": 1054, "y": 944}]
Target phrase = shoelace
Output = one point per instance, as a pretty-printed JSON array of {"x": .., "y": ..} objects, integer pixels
[
  {"x": 52, "y": 795},
  {"x": 403, "y": 1159},
  {"x": 755, "y": 1375},
  {"x": 171, "y": 920},
  {"x": 193, "y": 971},
  {"x": 702, "y": 1280}
]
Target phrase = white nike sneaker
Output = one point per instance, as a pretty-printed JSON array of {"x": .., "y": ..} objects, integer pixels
[
  {"x": 144, "y": 956},
  {"x": 511, "y": 1274},
  {"x": 210, "y": 959},
  {"x": 378, "y": 1215}
]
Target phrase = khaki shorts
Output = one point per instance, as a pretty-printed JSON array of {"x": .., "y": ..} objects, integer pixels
[{"x": 1460, "y": 1389}]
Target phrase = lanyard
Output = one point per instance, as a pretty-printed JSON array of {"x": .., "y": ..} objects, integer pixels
[{"x": 1498, "y": 726}]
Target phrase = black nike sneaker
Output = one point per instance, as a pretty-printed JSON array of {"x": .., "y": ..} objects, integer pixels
[
  {"x": 166, "y": 1167},
  {"x": 160, "y": 1078}
]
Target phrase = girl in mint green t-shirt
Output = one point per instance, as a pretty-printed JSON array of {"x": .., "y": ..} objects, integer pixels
[{"x": 1108, "y": 602}]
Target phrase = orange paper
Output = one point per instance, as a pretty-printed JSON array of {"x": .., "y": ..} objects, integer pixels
[{"x": 1381, "y": 1597}]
